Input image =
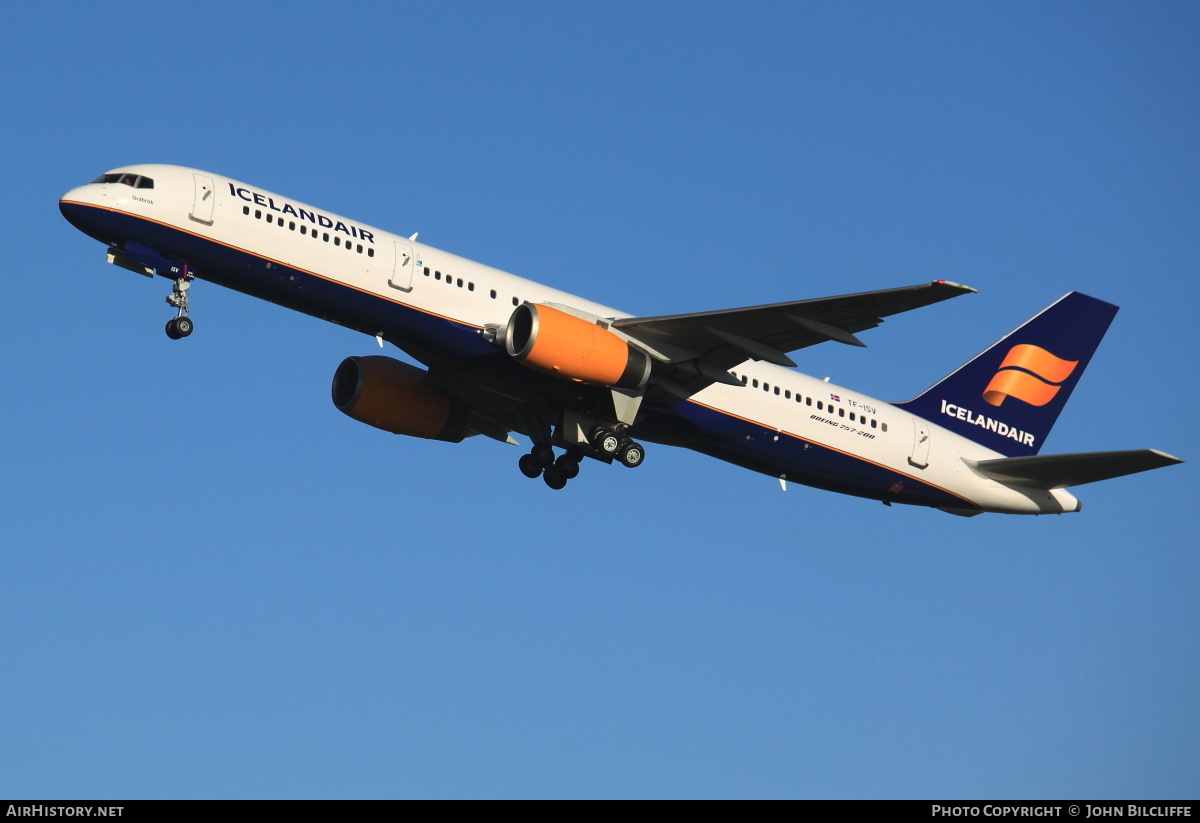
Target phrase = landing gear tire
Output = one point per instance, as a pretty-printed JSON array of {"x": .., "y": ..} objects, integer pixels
[
  {"x": 568, "y": 465},
  {"x": 555, "y": 478},
  {"x": 631, "y": 454},
  {"x": 530, "y": 466},
  {"x": 178, "y": 327},
  {"x": 543, "y": 454},
  {"x": 606, "y": 441}
]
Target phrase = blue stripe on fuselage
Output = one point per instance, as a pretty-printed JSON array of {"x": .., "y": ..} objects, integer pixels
[{"x": 276, "y": 282}]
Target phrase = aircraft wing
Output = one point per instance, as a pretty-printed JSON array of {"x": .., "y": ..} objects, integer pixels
[{"x": 699, "y": 348}]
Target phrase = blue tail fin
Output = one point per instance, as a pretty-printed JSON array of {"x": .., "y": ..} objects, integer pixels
[{"x": 1008, "y": 397}]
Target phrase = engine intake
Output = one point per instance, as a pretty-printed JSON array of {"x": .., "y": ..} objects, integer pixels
[
  {"x": 396, "y": 397},
  {"x": 567, "y": 346}
]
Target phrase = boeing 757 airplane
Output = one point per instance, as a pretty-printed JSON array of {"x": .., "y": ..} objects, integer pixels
[{"x": 506, "y": 355}]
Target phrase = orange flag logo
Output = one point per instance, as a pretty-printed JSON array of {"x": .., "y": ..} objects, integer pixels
[{"x": 1030, "y": 374}]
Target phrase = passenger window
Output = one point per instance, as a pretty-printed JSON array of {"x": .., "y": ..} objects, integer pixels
[
  {"x": 245, "y": 209},
  {"x": 841, "y": 412},
  {"x": 370, "y": 252},
  {"x": 337, "y": 241},
  {"x": 493, "y": 294},
  {"x": 270, "y": 218}
]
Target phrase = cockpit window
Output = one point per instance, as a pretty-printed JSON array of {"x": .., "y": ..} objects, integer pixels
[{"x": 127, "y": 179}]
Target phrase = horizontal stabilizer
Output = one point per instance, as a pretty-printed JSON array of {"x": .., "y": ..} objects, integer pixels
[{"x": 1057, "y": 471}]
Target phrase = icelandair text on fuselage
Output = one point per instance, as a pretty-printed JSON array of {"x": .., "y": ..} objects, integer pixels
[
  {"x": 38, "y": 810},
  {"x": 1139, "y": 810},
  {"x": 1002, "y": 429},
  {"x": 301, "y": 214}
]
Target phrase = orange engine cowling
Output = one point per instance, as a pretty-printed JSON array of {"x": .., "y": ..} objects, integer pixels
[
  {"x": 396, "y": 397},
  {"x": 568, "y": 346}
]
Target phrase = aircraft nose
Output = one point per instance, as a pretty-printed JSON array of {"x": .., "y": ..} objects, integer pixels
[
  {"x": 79, "y": 194},
  {"x": 77, "y": 207}
]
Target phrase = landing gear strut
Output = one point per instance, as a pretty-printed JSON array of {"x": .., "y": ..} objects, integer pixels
[{"x": 180, "y": 325}]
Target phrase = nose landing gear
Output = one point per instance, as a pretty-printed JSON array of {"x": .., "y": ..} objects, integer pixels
[{"x": 180, "y": 325}]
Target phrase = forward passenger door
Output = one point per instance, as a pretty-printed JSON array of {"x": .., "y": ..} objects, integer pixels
[{"x": 404, "y": 268}]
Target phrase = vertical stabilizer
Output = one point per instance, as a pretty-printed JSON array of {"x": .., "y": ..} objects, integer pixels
[{"x": 1008, "y": 397}]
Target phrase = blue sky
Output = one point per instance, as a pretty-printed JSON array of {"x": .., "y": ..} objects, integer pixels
[{"x": 218, "y": 586}]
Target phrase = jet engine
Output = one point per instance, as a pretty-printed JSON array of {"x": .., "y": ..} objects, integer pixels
[
  {"x": 397, "y": 398},
  {"x": 567, "y": 346}
]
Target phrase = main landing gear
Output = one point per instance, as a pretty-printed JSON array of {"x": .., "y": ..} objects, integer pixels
[
  {"x": 180, "y": 325},
  {"x": 614, "y": 444},
  {"x": 555, "y": 472}
]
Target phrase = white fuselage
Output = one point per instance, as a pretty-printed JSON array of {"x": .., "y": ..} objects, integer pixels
[{"x": 776, "y": 407}]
